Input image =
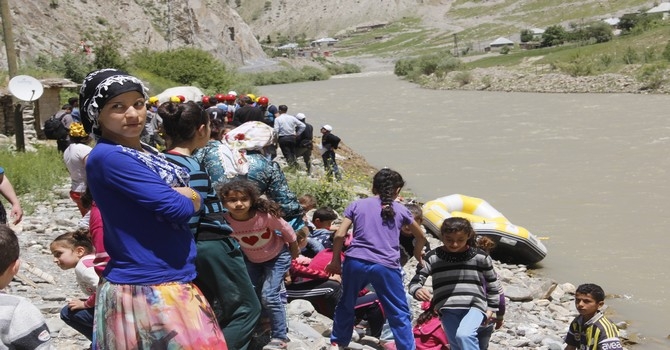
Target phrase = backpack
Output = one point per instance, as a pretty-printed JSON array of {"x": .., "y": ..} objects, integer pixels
[{"x": 54, "y": 128}]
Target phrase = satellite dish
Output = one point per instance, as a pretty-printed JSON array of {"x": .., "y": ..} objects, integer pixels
[{"x": 25, "y": 88}]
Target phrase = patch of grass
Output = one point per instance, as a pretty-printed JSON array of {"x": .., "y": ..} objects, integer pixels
[
  {"x": 34, "y": 173},
  {"x": 610, "y": 55}
]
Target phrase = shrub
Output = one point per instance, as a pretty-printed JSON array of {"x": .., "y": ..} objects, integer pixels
[
  {"x": 630, "y": 56},
  {"x": 463, "y": 77},
  {"x": 652, "y": 75},
  {"x": 107, "y": 53},
  {"x": 186, "y": 66},
  {"x": 666, "y": 52},
  {"x": 336, "y": 195},
  {"x": 439, "y": 64},
  {"x": 577, "y": 66},
  {"x": 526, "y": 35},
  {"x": 505, "y": 50},
  {"x": 553, "y": 36},
  {"x": 606, "y": 60}
]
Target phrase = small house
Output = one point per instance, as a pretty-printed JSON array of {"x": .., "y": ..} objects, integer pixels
[{"x": 500, "y": 43}]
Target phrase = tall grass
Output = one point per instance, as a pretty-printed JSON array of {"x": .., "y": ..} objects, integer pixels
[{"x": 34, "y": 173}]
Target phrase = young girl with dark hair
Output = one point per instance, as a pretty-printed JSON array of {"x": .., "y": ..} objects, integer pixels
[
  {"x": 74, "y": 250},
  {"x": 466, "y": 290},
  {"x": 373, "y": 257},
  {"x": 268, "y": 255},
  {"x": 222, "y": 275}
]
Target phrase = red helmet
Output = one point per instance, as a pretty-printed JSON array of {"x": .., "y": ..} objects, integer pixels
[
  {"x": 263, "y": 101},
  {"x": 230, "y": 97},
  {"x": 220, "y": 97},
  {"x": 205, "y": 100},
  {"x": 181, "y": 98}
]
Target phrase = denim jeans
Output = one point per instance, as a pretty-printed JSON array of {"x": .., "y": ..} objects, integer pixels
[
  {"x": 80, "y": 320},
  {"x": 267, "y": 278},
  {"x": 484, "y": 334},
  {"x": 387, "y": 283},
  {"x": 461, "y": 327},
  {"x": 330, "y": 165}
]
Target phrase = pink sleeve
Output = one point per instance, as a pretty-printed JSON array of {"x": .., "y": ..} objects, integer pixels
[
  {"x": 95, "y": 227},
  {"x": 90, "y": 302},
  {"x": 287, "y": 233}
]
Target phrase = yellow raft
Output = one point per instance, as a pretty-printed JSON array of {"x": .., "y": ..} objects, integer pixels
[{"x": 514, "y": 244}]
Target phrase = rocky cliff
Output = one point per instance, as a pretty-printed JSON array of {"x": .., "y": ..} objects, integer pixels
[{"x": 58, "y": 26}]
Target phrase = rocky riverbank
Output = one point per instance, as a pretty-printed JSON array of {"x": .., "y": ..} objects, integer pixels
[
  {"x": 526, "y": 77},
  {"x": 538, "y": 309}
]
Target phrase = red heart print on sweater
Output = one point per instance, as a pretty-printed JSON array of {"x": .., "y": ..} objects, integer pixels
[{"x": 251, "y": 240}]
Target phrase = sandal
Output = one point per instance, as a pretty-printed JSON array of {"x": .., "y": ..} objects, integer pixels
[{"x": 275, "y": 344}]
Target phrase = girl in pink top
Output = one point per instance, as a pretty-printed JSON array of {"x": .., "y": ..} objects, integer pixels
[{"x": 255, "y": 222}]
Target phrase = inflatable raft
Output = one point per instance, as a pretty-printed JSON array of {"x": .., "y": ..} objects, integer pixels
[{"x": 514, "y": 244}]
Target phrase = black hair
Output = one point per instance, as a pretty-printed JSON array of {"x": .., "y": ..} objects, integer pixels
[
  {"x": 181, "y": 120},
  {"x": 282, "y": 108},
  {"x": 324, "y": 214},
  {"x": 73, "y": 100},
  {"x": 216, "y": 128},
  {"x": 87, "y": 198},
  {"x": 387, "y": 183},
  {"x": 456, "y": 224},
  {"x": 595, "y": 290},
  {"x": 9, "y": 248}
]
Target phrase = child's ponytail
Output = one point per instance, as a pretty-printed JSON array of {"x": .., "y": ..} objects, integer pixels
[
  {"x": 387, "y": 183},
  {"x": 79, "y": 238}
]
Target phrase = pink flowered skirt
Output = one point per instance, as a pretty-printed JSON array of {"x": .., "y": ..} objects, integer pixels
[{"x": 168, "y": 316}]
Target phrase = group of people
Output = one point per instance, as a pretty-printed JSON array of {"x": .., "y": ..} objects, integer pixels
[{"x": 194, "y": 247}]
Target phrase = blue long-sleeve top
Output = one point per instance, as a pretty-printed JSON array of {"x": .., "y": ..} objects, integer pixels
[{"x": 145, "y": 221}]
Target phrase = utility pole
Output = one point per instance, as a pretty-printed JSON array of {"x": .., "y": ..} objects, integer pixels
[
  {"x": 8, "y": 37},
  {"x": 12, "y": 67}
]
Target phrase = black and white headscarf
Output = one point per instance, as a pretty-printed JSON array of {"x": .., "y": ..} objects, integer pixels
[{"x": 98, "y": 88}]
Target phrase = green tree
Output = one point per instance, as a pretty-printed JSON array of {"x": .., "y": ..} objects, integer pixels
[
  {"x": 553, "y": 36},
  {"x": 599, "y": 31},
  {"x": 627, "y": 22},
  {"x": 187, "y": 66},
  {"x": 526, "y": 35},
  {"x": 107, "y": 53}
]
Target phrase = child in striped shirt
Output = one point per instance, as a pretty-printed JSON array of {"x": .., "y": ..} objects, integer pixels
[{"x": 466, "y": 290}]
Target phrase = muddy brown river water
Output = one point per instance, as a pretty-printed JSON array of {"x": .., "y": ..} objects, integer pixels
[{"x": 587, "y": 172}]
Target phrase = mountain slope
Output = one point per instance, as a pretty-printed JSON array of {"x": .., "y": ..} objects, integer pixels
[{"x": 58, "y": 26}]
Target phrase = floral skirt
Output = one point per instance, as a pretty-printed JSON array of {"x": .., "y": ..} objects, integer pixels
[{"x": 169, "y": 316}]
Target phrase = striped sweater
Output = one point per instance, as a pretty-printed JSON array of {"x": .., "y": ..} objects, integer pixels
[
  {"x": 460, "y": 280},
  {"x": 598, "y": 333},
  {"x": 22, "y": 325},
  {"x": 209, "y": 223}
]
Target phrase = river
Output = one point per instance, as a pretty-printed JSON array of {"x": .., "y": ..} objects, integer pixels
[{"x": 588, "y": 172}]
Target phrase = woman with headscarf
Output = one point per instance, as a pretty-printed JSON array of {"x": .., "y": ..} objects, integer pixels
[
  {"x": 146, "y": 299},
  {"x": 246, "y": 146}
]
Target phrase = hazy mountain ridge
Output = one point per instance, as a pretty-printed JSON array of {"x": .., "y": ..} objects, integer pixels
[{"x": 58, "y": 26}]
